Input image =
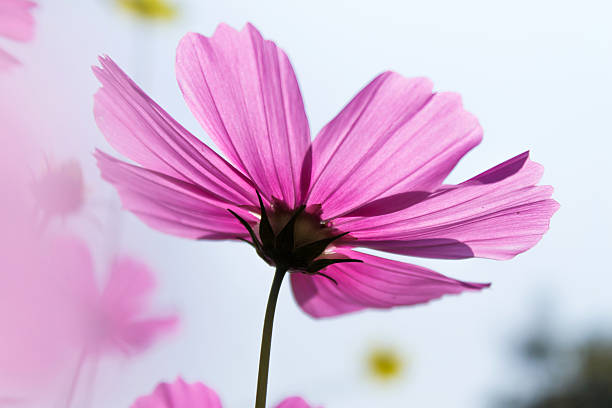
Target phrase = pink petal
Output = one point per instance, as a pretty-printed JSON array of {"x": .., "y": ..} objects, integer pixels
[
  {"x": 60, "y": 189},
  {"x": 179, "y": 394},
  {"x": 123, "y": 303},
  {"x": 129, "y": 287},
  {"x": 243, "y": 91},
  {"x": 140, "y": 335},
  {"x": 16, "y": 21},
  {"x": 375, "y": 283},
  {"x": 141, "y": 130},
  {"x": 169, "y": 204},
  {"x": 498, "y": 214},
  {"x": 293, "y": 402},
  {"x": 7, "y": 60},
  {"x": 395, "y": 136}
]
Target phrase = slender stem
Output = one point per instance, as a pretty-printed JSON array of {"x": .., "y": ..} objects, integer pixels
[
  {"x": 75, "y": 378},
  {"x": 266, "y": 339}
]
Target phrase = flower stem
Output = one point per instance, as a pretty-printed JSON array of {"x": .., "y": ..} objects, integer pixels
[
  {"x": 266, "y": 339},
  {"x": 75, "y": 379}
]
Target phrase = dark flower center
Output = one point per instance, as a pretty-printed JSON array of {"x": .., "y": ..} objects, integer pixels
[{"x": 293, "y": 240}]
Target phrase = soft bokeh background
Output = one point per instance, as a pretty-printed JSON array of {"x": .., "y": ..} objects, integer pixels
[{"x": 538, "y": 75}]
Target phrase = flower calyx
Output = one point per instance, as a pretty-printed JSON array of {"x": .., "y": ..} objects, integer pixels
[{"x": 288, "y": 247}]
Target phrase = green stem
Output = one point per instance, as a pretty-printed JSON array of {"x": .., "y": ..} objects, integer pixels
[{"x": 266, "y": 339}]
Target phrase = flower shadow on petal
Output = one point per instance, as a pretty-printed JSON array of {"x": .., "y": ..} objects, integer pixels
[
  {"x": 437, "y": 248},
  {"x": 390, "y": 204}
]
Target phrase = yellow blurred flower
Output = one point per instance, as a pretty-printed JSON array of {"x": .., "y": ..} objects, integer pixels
[
  {"x": 149, "y": 9},
  {"x": 385, "y": 363}
]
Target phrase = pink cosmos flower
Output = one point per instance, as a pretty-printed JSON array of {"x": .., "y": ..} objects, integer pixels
[
  {"x": 115, "y": 318},
  {"x": 16, "y": 23},
  {"x": 44, "y": 189},
  {"x": 180, "y": 394},
  {"x": 373, "y": 177},
  {"x": 54, "y": 316},
  {"x": 39, "y": 328},
  {"x": 51, "y": 306}
]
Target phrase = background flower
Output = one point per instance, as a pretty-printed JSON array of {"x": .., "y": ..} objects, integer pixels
[
  {"x": 385, "y": 363},
  {"x": 149, "y": 9},
  {"x": 196, "y": 395},
  {"x": 16, "y": 23},
  {"x": 59, "y": 191},
  {"x": 114, "y": 319}
]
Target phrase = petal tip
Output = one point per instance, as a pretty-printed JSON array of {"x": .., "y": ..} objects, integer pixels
[{"x": 477, "y": 286}]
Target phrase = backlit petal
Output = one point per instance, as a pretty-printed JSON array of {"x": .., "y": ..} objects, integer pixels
[
  {"x": 179, "y": 394},
  {"x": 293, "y": 402},
  {"x": 7, "y": 60},
  {"x": 142, "y": 131},
  {"x": 375, "y": 283},
  {"x": 395, "y": 136},
  {"x": 243, "y": 91},
  {"x": 171, "y": 205},
  {"x": 16, "y": 20},
  {"x": 124, "y": 306},
  {"x": 497, "y": 214}
]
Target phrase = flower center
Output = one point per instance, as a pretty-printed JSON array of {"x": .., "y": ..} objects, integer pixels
[
  {"x": 294, "y": 240},
  {"x": 385, "y": 363}
]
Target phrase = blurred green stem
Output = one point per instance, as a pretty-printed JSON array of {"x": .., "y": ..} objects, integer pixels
[{"x": 266, "y": 339}]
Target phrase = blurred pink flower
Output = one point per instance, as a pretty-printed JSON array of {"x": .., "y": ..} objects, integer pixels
[
  {"x": 373, "y": 177},
  {"x": 115, "y": 318},
  {"x": 38, "y": 320},
  {"x": 180, "y": 394},
  {"x": 16, "y": 23},
  {"x": 57, "y": 191},
  {"x": 54, "y": 316},
  {"x": 60, "y": 190}
]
